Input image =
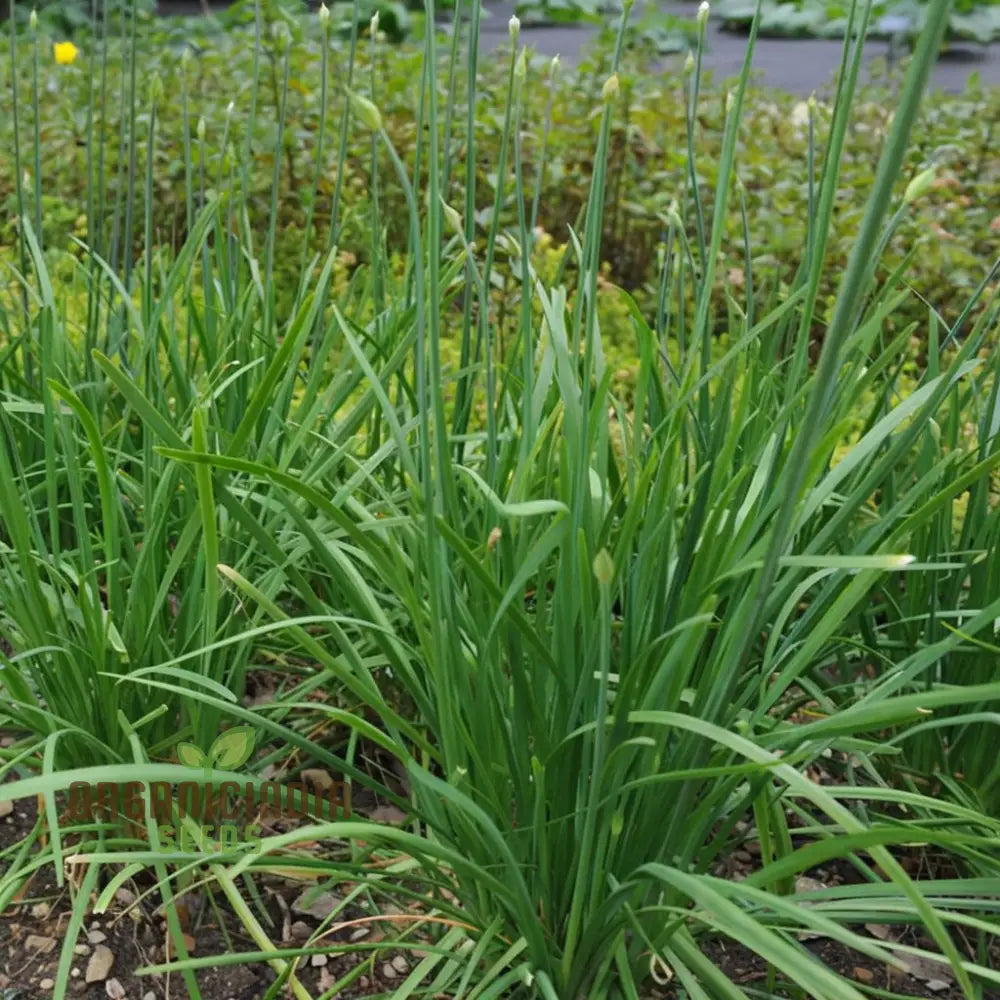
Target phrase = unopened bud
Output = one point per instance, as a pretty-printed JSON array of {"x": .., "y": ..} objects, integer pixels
[
  {"x": 919, "y": 186},
  {"x": 689, "y": 63},
  {"x": 373, "y": 26},
  {"x": 514, "y": 27},
  {"x": 604, "y": 567},
  {"x": 201, "y": 129},
  {"x": 521, "y": 66},
  {"x": 33, "y": 20},
  {"x": 812, "y": 105},
  {"x": 230, "y": 108},
  {"x": 730, "y": 101},
  {"x": 155, "y": 88},
  {"x": 703, "y": 9},
  {"x": 366, "y": 111},
  {"x": 324, "y": 15},
  {"x": 610, "y": 89},
  {"x": 454, "y": 219},
  {"x": 553, "y": 66}
]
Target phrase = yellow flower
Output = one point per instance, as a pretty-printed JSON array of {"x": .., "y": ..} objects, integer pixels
[{"x": 65, "y": 52}]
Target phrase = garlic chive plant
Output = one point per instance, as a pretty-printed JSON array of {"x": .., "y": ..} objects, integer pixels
[{"x": 602, "y": 637}]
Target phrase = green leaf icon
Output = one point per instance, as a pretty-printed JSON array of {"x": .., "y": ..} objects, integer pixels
[
  {"x": 190, "y": 755},
  {"x": 233, "y": 747}
]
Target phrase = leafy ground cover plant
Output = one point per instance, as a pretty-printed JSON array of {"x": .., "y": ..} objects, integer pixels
[
  {"x": 969, "y": 21},
  {"x": 594, "y": 630},
  {"x": 954, "y": 223}
]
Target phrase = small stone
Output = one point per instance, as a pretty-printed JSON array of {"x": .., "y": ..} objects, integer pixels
[
  {"x": 400, "y": 965},
  {"x": 149, "y": 995},
  {"x": 100, "y": 964},
  {"x": 125, "y": 896},
  {"x": 78, "y": 986},
  {"x": 74, "y": 972},
  {"x": 863, "y": 975},
  {"x": 318, "y": 905},
  {"x": 6, "y": 808},
  {"x": 318, "y": 961},
  {"x": 81, "y": 949},
  {"x": 300, "y": 931},
  {"x": 97, "y": 937},
  {"x": 360, "y": 933},
  {"x": 388, "y": 972},
  {"x": 39, "y": 943},
  {"x": 743, "y": 856},
  {"x": 46, "y": 984},
  {"x": 936, "y": 985},
  {"x": 40, "y": 911},
  {"x": 114, "y": 989}
]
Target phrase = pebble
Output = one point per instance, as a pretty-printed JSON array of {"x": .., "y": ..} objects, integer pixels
[
  {"x": 388, "y": 972},
  {"x": 300, "y": 931},
  {"x": 39, "y": 943},
  {"x": 46, "y": 984},
  {"x": 40, "y": 911},
  {"x": 100, "y": 964},
  {"x": 361, "y": 932},
  {"x": 400, "y": 964},
  {"x": 317, "y": 961},
  {"x": 81, "y": 949},
  {"x": 96, "y": 937},
  {"x": 863, "y": 975}
]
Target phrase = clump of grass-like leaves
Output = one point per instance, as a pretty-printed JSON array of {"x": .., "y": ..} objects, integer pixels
[{"x": 613, "y": 622}]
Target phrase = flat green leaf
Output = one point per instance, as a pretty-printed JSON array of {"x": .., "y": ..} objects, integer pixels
[
  {"x": 190, "y": 755},
  {"x": 233, "y": 747}
]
